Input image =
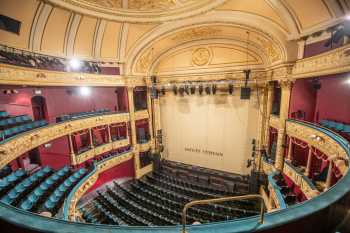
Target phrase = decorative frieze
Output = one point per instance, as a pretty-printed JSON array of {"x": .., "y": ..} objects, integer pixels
[
  {"x": 320, "y": 141},
  {"x": 16, "y": 146},
  {"x": 332, "y": 62}
]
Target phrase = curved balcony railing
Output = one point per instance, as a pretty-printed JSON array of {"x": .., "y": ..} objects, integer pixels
[
  {"x": 276, "y": 193},
  {"x": 69, "y": 207},
  {"x": 16, "y": 146},
  {"x": 287, "y": 217}
]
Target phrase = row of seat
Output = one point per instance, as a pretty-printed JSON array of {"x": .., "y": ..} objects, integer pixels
[
  {"x": 13, "y": 121},
  {"x": 3, "y": 115},
  {"x": 34, "y": 199},
  {"x": 55, "y": 200},
  {"x": 14, "y": 196},
  {"x": 338, "y": 126},
  {"x": 77, "y": 115},
  {"x": 10, "y": 132},
  {"x": 8, "y": 182}
]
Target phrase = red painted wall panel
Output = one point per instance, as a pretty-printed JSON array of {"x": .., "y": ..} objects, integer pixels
[{"x": 125, "y": 169}]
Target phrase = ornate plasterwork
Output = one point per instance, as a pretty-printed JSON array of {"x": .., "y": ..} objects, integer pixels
[
  {"x": 16, "y": 75},
  {"x": 271, "y": 51},
  {"x": 332, "y": 62},
  {"x": 196, "y": 33},
  {"x": 327, "y": 145},
  {"x": 25, "y": 142},
  {"x": 145, "y": 61},
  {"x": 99, "y": 150},
  {"x": 298, "y": 179},
  {"x": 144, "y": 11},
  {"x": 201, "y": 56}
]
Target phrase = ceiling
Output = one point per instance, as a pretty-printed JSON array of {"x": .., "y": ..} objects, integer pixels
[{"x": 170, "y": 36}]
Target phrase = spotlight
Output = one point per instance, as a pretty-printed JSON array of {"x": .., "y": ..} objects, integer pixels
[
  {"x": 175, "y": 89},
  {"x": 187, "y": 90},
  {"x": 213, "y": 89},
  {"x": 181, "y": 90},
  {"x": 200, "y": 89},
  {"x": 230, "y": 89},
  {"x": 84, "y": 91},
  {"x": 75, "y": 64},
  {"x": 207, "y": 90},
  {"x": 193, "y": 89}
]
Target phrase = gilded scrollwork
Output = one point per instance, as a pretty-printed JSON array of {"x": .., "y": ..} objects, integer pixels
[
  {"x": 335, "y": 61},
  {"x": 25, "y": 142}
]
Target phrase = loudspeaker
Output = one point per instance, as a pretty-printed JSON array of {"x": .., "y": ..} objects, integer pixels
[
  {"x": 245, "y": 93},
  {"x": 154, "y": 93}
]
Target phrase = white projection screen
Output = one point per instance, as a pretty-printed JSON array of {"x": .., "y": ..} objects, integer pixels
[{"x": 209, "y": 131}]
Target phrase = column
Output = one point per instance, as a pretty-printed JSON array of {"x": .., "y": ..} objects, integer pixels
[
  {"x": 290, "y": 149},
  {"x": 135, "y": 146},
  {"x": 286, "y": 87},
  {"x": 91, "y": 139},
  {"x": 301, "y": 48},
  {"x": 269, "y": 102},
  {"x": 72, "y": 154},
  {"x": 262, "y": 123},
  {"x": 150, "y": 116},
  {"x": 109, "y": 133},
  {"x": 309, "y": 159},
  {"x": 132, "y": 115},
  {"x": 329, "y": 175}
]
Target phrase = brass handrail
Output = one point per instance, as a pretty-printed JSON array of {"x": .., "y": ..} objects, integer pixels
[{"x": 222, "y": 199}]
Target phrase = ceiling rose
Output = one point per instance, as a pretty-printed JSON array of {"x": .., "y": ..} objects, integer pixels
[{"x": 139, "y": 10}]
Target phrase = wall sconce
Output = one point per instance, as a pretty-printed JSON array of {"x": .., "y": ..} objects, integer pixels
[{"x": 316, "y": 138}]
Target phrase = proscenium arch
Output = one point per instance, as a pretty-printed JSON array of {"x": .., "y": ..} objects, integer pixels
[
  {"x": 256, "y": 52},
  {"x": 252, "y": 22}
]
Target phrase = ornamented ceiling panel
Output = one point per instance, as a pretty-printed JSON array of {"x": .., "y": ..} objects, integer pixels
[{"x": 140, "y": 10}]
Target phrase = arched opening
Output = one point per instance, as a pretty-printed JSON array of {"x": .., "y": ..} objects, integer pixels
[{"x": 39, "y": 108}]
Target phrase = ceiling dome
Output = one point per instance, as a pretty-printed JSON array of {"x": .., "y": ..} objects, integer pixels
[{"x": 140, "y": 10}]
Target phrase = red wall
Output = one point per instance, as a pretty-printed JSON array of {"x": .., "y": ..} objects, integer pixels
[
  {"x": 56, "y": 156},
  {"x": 333, "y": 99},
  {"x": 59, "y": 100},
  {"x": 303, "y": 98},
  {"x": 125, "y": 169},
  {"x": 330, "y": 102}
]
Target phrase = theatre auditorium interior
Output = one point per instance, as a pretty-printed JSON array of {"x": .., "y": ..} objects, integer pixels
[{"x": 174, "y": 116}]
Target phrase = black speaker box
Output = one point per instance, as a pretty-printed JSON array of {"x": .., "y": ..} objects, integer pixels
[{"x": 245, "y": 93}]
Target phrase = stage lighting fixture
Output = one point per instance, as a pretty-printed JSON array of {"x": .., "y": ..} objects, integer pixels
[
  {"x": 193, "y": 89},
  {"x": 187, "y": 90},
  {"x": 230, "y": 88},
  {"x": 75, "y": 64},
  {"x": 200, "y": 89},
  {"x": 207, "y": 90},
  {"x": 181, "y": 90},
  {"x": 85, "y": 91},
  {"x": 162, "y": 90},
  {"x": 213, "y": 89},
  {"x": 175, "y": 89}
]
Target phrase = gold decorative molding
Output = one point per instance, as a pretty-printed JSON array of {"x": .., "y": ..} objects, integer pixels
[
  {"x": 144, "y": 146},
  {"x": 332, "y": 62},
  {"x": 80, "y": 158},
  {"x": 17, "y": 75},
  {"x": 327, "y": 145},
  {"x": 142, "y": 11},
  {"x": 88, "y": 183},
  {"x": 299, "y": 180},
  {"x": 274, "y": 121},
  {"x": 143, "y": 171},
  {"x": 201, "y": 56},
  {"x": 280, "y": 72},
  {"x": 143, "y": 114},
  {"x": 16, "y": 146},
  {"x": 273, "y": 198},
  {"x": 196, "y": 33}
]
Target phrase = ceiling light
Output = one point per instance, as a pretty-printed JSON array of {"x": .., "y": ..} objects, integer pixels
[
  {"x": 84, "y": 91},
  {"x": 75, "y": 64}
]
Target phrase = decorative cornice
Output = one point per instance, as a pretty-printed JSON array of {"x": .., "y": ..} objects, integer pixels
[
  {"x": 15, "y": 147},
  {"x": 299, "y": 180},
  {"x": 275, "y": 122},
  {"x": 138, "y": 16},
  {"x": 326, "y": 144},
  {"x": 80, "y": 158},
  {"x": 332, "y": 62},
  {"x": 139, "y": 115},
  {"x": 16, "y": 75}
]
